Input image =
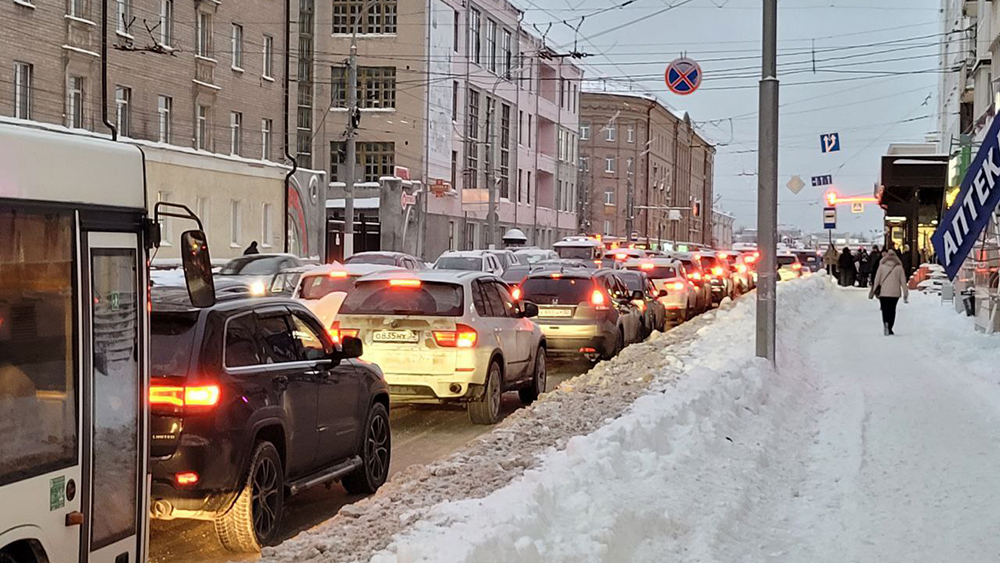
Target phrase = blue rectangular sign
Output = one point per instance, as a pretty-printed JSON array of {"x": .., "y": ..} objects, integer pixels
[
  {"x": 829, "y": 217},
  {"x": 965, "y": 220},
  {"x": 830, "y": 142}
]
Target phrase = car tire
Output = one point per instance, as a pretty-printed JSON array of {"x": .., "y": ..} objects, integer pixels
[
  {"x": 376, "y": 453},
  {"x": 255, "y": 518},
  {"x": 539, "y": 380},
  {"x": 618, "y": 346},
  {"x": 486, "y": 409}
]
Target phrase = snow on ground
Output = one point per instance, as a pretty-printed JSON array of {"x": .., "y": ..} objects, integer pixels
[{"x": 858, "y": 448}]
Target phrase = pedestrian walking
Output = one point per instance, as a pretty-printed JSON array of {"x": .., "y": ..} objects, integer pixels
[
  {"x": 830, "y": 261},
  {"x": 907, "y": 258},
  {"x": 873, "y": 261},
  {"x": 252, "y": 249},
  {"x": 889, "y": 286},
  {"x": 846, "y": 265},
  {"x": 863, "y": 269}
]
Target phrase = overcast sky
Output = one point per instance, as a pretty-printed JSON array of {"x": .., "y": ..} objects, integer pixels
[{"x": 851, "y": 92}]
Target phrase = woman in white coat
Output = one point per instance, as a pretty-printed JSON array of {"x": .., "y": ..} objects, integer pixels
[{"x": 889, "y": 286}]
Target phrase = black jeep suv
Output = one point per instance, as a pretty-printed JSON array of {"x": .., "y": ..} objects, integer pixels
[{"x": 251, "y": 402}]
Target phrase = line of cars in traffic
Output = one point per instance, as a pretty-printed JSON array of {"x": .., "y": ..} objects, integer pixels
[{"x": 285, "y": 383}]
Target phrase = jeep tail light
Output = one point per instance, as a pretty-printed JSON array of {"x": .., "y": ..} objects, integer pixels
[
  {"x": 178, "y": 398},
  {"x": 338, "y": 334},
  {"x": 598, "y": 301},
  {"x": 463, "y": 336}
]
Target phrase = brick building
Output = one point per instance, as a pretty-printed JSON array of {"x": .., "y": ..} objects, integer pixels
[{"x": 638, "y": 158}]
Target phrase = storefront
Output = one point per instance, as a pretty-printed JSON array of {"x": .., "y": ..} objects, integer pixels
[{"x": 912, "y": 193}]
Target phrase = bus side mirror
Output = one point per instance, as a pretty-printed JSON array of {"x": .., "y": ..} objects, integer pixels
[{"x": 198, "y": 269}]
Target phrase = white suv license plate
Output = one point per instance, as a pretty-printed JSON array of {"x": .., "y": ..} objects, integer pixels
[
  {"x": 395, "y": 336},
  {"x": 564, "y": 313}
]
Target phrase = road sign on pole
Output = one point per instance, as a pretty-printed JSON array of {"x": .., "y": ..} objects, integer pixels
[
  {"x": 683, "y": 76},
  {"x": 795, "y": 185},
  {"x": 829, "y": 217},
  {"x": 857, "y": 208},
  {"x": 818, "y": 181},
  {"x": 829, "y": 142}
]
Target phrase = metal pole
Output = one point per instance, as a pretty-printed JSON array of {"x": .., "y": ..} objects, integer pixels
[
  {"x": 351, "y": 156},
  {"x": 767, "y": 186},
  {"x": 491, "y": 213}
]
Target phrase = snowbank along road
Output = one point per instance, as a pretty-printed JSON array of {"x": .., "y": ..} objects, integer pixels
[{"x": 858, "y": 448}]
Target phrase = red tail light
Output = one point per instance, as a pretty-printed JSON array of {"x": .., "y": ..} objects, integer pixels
[
  {"x": 338, "y": 274},
  {"x": 796, "y": 266},
  {"x": 695, "y": 276},
  {"x": 178, "y": 398},
  {"x": 598, "y": 301},
  {"x": 515, "y": 293},
  {"x": 337, "y": 334},
  {"x": 717, "y": 271},
  {"x": 462, "y": 337},
  {"x": 187, "y": 478},
  {"x": 404, "y": 283},
  {"x": 750, "y": 259},
  {"x": 647, "y": 266},
  {"x": 741, "y": 268}
]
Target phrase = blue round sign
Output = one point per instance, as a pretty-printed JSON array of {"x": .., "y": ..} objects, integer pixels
[{"x": 683, "y": 76}]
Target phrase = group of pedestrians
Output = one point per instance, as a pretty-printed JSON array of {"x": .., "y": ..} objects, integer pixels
[
  {"x": 885, "y": 271},
  {"x": 853, "y": 268}
]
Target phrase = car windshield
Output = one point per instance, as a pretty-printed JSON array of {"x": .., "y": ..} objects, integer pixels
[
  {"x": 515, "y": 274},
  {"x": 548, "y": 291},
  {"x": 473, "y": 263},
  {"x": 171, "y": 342},
  {"x": 576, "y": 252},
  {"x": 426, "y": 299},
  {"x": 787, "y": 260},
  {"x": 365, "y": 258},
  {"x": 657, "y": 272},
  {"x": 252, "y": 265},
  {"x": 318, "y": 287}
]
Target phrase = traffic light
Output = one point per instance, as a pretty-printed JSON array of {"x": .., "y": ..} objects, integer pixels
[{"x": 831, "y": 198}]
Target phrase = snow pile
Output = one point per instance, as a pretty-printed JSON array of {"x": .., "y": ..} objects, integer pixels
[
  {"x": 660, "y": 483},
  {"x": 538, "y": 488}
]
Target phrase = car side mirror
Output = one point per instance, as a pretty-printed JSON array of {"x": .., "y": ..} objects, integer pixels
[
  {"x": 662, "y": 293},
  {"x": 351, "y": 347},
  {"x": 198, "y": 268},
  {"x": 529, "y": 310}
]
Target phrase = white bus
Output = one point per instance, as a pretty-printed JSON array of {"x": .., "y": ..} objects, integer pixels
[{"x": 74, "y": 365}]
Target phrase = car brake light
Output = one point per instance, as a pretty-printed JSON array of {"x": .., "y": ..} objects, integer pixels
[
  {"x": 338, "y": 274},
  {"x": 695, "y": 276},
  {"x": 717, "y": 271},
  {"x": 796, "y": 266},
  {"x": 751, "y": 259},
  {"x": 678, "y": 286},
  {"x": 741, "y": 268},
  {"x": 556, "y": 276},
  {"x": 404, "y": 283},
  {"x": 463, "y": 336},
  {"x": 647, "y": 266},
  {"x": 186, "y": 478},
  {"x": 597, "y": 300},
  {"x": 182, "y": 396},
  {"x": 621, "y": 256},
  {"x": 337, "y": 334},
  {"x": 515, "y": 293}
]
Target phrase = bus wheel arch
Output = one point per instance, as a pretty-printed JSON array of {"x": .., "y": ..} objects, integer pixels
[{"x": 24, "y": 551}]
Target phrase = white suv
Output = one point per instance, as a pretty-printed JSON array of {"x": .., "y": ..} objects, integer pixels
[{"x": 470, "y": 260}]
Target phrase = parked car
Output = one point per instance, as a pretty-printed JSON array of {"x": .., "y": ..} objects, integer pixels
[
  {"x": 533, "y": 255},
  {"x": 569, "y": 263},
  {"x": 810, "y": 259},
  {"x": 322, "y": 289},
  {"x": 681, "y": 300},
  {"x": 470, "y": 261},
  {"x": 258, "y": 270},
  {"x": 646, "y": 298},
  {"x": 251, "y": 403},
  {"x": 506, "y": 257},
  {"x": 386, "y": 258},
  {"x": 588, "y": 312},
  {"x": 720, "y": 277},
  {"x": 789, "y": 267},
  {"x": 694, "y": 273},
  {"x": 445, "y": 336}
]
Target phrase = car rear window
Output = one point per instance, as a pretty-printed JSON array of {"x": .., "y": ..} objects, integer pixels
[
  {"x": 459, "y": 263},
  {"x": 252, "y": 265},
  {"x": 171, "y": 342},
  {"x": 515, "y": 274},
  {"x": 658, "y": 272},
  {"x": 634, "y": 282},
  {"x": 428, "y": 299},
  {"x": 786, "y": 260},
  {"x": 709, "y": 262},
  {"x": 546, "y": 290},
  {"x": 578, "y": 252},
  {"x": 318, "y": 287},
  {"x": 371, "y": 259}
]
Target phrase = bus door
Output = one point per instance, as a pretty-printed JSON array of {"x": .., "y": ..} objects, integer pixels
[{"x": 115, "y": 371}]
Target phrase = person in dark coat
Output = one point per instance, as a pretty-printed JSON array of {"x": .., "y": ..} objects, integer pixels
[
  {"x": 873, "y": 261},
  {"x": 907, "y": 259},
  {"x": 252, "y": 249},
  {"x": 863, "y": 268},
  {"x": 846, "y": 265}
]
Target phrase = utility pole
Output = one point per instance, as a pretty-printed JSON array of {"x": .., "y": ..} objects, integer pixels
[
  {"x": 491, "y": 209},
  {"x": 767, "y": 187},
  {"x": 629, "y": 202},
  {"x": 353, "y": 120}
]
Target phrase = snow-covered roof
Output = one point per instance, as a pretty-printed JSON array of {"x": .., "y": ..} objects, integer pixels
[{"x": 359, "y": 203}]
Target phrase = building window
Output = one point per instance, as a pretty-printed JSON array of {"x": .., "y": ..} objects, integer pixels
[
  {"x": 266, "y": 125},
  {"x": 164, "y": 108},
  {"x": 531, "y": 130},
  {"x": 609, "y": 165},
  {"x": 123, "y": 103},
  {"x": 76, "y": 8},
  {"x": 520, "y": 127},
  {"x": 235, "y": 223},
  {"x": 266, "y": 226},
  {"x": 268, "y": 57},
  {"x": 236, "y": 132},
  {"x": 22, "y": 90},
  {"x": 454, "y": 100},
  {"x": 203, "y": 35},
  {"x": 609, "y": 197},
  {"x": 376, "y": 87},
  {"x": 454, "y": 170},
  {"x": 201, "y": 133},
  {"x": 628, "y": 165},
  {"x": 75, "y": 93},
  {"x": 166, "y": 224},
  {"x": 630, "y": 134},
  {"x": 607, "y": 227},
  {"x": 584, "y": 164},
  {"x": 456, "y": 32},
  {"x": 166, "y": 22},
  {"x": 379, "y": 19},
  {"x": 475, "y": 24},
  {"x": 609, "y": 132},
  {"x": 506, "y": 55},
  {"x": 472, "y": 147},
  {"x": 237, "y": 46},
  {"x": 585, "y": 131},
  {"x": 520, "y": 185},
  {"x": 505, "y": 112},
  {"x": 379, "y": 159},
  {"x": 124, "y": 16},
  {"x": 491, "y": 45},
  {"x": 338, "y": 157},
  {"x": 527, "y": 188}
]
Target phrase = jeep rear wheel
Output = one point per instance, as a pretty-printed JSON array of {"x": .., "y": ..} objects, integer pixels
[
  {"x": 375, "y": 455},
  {"x": 486, "y": 408},
  {"x": 254, "y": 519}
]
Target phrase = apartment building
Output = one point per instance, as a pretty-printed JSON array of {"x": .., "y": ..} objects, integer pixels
[
  {"x": 458, "y": 94},
  {"x": 198, "y": 84},
  {"x": 638, "y": 159}
]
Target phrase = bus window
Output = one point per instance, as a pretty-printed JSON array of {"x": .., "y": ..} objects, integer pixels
[{"x": 38, "y": 385}]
